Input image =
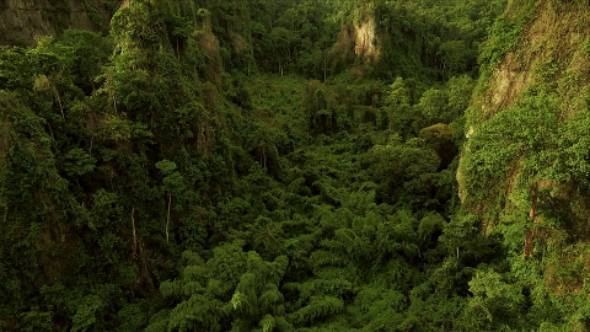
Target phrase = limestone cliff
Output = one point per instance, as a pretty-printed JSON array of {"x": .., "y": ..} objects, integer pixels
[
  {"x": 523, "y": 152},
  {"x": 358, "y": 39},
  {"x": 22, "y": 21},
  {"x": 366, "y": 40}
]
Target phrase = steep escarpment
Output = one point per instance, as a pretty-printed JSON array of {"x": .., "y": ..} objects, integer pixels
[
  {"x": 524, "y": 169},
  {"x": 543, "y": 76},
  {"x": 23, "y": 21},
  {"x": 552, "y": 44}
]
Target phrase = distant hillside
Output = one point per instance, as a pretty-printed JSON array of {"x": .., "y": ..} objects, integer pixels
[{"x": 23, "y": 21}]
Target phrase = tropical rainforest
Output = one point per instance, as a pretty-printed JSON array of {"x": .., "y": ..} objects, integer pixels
[{"x": 294, "y": 165}]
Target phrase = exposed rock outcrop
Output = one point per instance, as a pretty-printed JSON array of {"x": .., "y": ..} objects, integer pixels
[
  {"x": 24, "y": 21},
  {"x": 365, "y": 40},
  {"x": 549, "y": 58}
]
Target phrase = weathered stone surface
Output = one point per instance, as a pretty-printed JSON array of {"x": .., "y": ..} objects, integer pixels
[{"x": 24, "y": 21}]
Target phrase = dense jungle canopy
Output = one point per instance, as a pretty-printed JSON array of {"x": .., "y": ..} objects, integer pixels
[{"x": 294, "y": 165}]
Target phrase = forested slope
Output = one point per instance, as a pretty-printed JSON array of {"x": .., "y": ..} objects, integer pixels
[{"x": 283, "y": 165}]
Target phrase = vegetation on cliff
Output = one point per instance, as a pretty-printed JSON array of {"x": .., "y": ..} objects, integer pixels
[{"x": 291, "y": 165}]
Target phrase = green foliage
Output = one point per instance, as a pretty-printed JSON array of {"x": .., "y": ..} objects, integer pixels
[
  {"x": 524, "y": 136},
  {"x": 233, "y": 290},
  {"x": 498, "y": 302},
  {"x": 78, "y": 162},
  {"x": 408, "y": 168},
  {"x": 234, "y": 166},
  {"x": 586, "y": 47},
  {"x": 505, "y": 34}
]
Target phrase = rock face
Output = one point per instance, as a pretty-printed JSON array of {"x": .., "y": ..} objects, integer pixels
[
  {"x": 365, "y": 39},
  {"x": 551, "y": 56},
  {"x": 23, "y": 21},
  {"x": 360, "y": 40},
  {"x": 554, "y": 34}
]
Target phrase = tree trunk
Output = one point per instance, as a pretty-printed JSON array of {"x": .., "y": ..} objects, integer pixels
[
  {"x": 535, "y": 193},
  {"x": 91, "y": 144},
  {"x": 134, "y": 233},
  {"x": 168, "y": 219},
  {"x": 528, "y": 243},
  {"x": 61, "y": 107},
  {"x": 530, "y": 236},
  {"x": 5, "y": 212},
  {"x": 326, "y": 69}
]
